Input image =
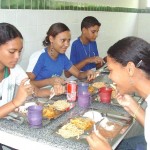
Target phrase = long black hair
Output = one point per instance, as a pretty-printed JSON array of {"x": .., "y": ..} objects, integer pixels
[
  {"x": 132, "y": 49},
  {"x": 8, "y": 32}
]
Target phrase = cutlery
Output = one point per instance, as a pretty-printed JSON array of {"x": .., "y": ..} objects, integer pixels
[
  {"x": 15, "y": 117},
  {"x": 52, "y": 93}
]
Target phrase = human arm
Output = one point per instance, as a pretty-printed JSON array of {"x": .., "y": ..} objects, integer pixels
[
  {"x": 97, "y": 60},
  {"x": 89, "y": 74},
  {"x": 23, "y": 92},
  {"x": 46, "y": 92},
  {"x": 44, "y": 82},
  {"x": 132, "y": 107},
  {"x": 97, "y": 142}
]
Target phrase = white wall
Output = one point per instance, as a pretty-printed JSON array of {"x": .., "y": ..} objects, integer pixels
[
  {"x": 143, "y": 26},
  {"x": 34, "y": 24}
]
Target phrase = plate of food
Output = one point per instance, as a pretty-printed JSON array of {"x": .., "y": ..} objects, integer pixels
[
  {"x": 75, "y": 127},
  {"x": 54, "y": 110}
]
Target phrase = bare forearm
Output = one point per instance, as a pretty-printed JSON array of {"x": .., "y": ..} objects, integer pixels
[
  {"x": 78, "y": 66},
  {"x": 81, "y": 64},
  {"x": 42, "y": 83},
  {"x": 6, "y": 109}
]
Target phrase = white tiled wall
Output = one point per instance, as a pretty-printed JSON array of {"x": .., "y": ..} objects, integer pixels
[{"x": 34, "y": 24}]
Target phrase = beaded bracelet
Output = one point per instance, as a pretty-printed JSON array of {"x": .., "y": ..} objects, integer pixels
[
  {"x": 14, "y": 104},
  {"x": 134, "y": 115}
]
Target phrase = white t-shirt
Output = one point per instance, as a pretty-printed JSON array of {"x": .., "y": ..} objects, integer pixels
[
  {"x": 7, "y": 85},
  {"x": 147, "y": 123},
  {"x": 33, "y": 60}
]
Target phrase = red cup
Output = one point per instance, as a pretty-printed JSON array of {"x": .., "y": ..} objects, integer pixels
[{"x": 105, "y": 94}]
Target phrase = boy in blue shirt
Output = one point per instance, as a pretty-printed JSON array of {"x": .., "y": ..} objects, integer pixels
[{"x": 84, "y": 53}]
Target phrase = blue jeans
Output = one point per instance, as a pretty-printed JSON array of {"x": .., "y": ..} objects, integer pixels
[{"x": 133, "y": 143}]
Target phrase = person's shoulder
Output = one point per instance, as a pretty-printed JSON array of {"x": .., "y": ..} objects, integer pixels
[
  {"x": 75, "y": 41},
  {"x": 17, "y": 69},
  {"x": 37, "y": 53}
]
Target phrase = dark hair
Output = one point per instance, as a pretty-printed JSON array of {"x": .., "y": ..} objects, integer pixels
[
  {"x": 8, "y": 32},
  {"x": 89, "y": 21},
  {"x": 132, "y": 49},
  {"x": 54, "y": 30}
]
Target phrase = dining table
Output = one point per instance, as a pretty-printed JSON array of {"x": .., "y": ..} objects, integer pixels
[{"x": 23, "y": 137}]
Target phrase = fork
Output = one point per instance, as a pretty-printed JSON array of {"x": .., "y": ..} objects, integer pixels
[{"x": 52, "y": 93}]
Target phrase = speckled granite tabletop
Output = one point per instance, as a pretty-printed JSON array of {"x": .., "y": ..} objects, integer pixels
[{"x": 47, "y": 134}]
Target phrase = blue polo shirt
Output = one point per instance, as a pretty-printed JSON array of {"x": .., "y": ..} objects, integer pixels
[
  {"x": 80, "y": 51},
  {"x": 46, "y": 67}
]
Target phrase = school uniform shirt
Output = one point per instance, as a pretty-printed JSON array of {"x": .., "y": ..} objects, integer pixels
[
  {"x": 12, "y": 78},
  {"x": 46, "y": 67},
  {"x": 80, "y": 51},
  {"x": 147, "y": 123}
]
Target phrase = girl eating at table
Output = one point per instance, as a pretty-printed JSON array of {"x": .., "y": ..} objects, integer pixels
[
  {"x": 11, "y": 74},
  {"x": 128, "y": 61}
]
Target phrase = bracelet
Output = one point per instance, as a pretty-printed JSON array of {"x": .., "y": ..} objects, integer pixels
[
  {"x": 14, "y": 104},
  {"x": 134, "y": 115}
]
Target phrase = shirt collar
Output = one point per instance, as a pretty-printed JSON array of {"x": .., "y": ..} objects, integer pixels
[{"x": 6, "y": 72}]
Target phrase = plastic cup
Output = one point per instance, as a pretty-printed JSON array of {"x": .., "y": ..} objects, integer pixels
[
  {"x": 84, "y": 100},
  {"x": 34, "y": 116},
  {"x": 82, "y": 87},
  {"x": 105, "y": 94}
]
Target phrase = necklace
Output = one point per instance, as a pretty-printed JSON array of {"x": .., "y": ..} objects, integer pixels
[{"x": 89, "y": 49}]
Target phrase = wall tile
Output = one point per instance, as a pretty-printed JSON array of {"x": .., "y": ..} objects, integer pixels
[
  {"x": 21, "y": 4},
  {"x": 28, "y": 4},
  {"x": 35, "y": 4},
  {"x": 5, "y": 4},
  {"x": 41, "y": 4},
  {"x": 13, "y": 4},
  {"x": 64, "y": 5}
]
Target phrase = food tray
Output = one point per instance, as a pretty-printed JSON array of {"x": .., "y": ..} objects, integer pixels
[
  {"x": 96, "y": 117},
  {"x": 20, "y": 116},
  {"x": 75, "y": 127}
]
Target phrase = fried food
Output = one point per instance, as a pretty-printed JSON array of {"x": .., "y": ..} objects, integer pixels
[
  {"x": 98, "y": 84},
  {"x": 50, "y": 112},
  {"x": 91, "y": 89},
  {"x": 82, "y": 123}
]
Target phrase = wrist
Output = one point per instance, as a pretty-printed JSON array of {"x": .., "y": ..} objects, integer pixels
[{"x": 14, "y": 104}]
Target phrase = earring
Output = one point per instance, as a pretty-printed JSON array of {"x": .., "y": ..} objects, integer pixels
[{"x": 51, "y": 50}]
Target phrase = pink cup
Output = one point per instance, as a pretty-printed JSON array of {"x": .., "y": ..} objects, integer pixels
[{"x": 105, "y": 94}]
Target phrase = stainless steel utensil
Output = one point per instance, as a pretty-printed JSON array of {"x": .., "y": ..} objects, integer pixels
[{"x": 15, "y": 117}]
